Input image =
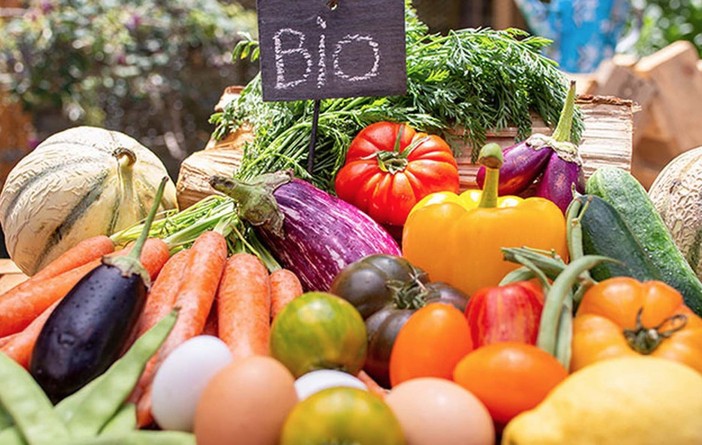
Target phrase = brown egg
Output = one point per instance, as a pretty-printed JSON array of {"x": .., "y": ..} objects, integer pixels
[
  {"x": 245, "y": 403},
  {"x": 437, "y": 411}
]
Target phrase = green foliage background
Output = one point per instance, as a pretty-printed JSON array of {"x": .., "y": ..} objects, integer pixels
[{"x": 666, "y": 21}]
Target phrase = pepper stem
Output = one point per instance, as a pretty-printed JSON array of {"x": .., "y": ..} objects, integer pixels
[
  {"x": 563, "y": 130},
  {"x": 490, "y": 157},
  {"x": 645, "y": 340}
]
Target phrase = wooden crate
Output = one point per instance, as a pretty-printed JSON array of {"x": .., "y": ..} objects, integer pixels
[{"x": 607, "y": 140}]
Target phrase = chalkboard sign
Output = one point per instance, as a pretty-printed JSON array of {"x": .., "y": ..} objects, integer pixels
[{"x": 315, "y": 49}]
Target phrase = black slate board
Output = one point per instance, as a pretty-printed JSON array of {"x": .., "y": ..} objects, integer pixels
[{"x": 310, "y": 50}]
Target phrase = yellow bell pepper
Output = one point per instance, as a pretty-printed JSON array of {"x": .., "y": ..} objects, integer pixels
[{"x": 457, "y": 238}]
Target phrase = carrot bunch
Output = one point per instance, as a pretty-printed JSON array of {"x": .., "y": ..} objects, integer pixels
[
  {"x": 234, "y": 298},
  {"x": 25, "y": 308}
]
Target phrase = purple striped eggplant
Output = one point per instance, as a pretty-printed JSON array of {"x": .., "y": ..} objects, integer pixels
[{"x": 309, "y": 231}]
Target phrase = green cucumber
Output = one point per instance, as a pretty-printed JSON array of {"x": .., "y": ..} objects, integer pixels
[
  {"x": 605, "y": 233},
  {"x": 630, "y": 200}
]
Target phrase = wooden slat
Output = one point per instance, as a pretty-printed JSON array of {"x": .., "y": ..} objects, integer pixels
[{"x": 607, "y": 140}]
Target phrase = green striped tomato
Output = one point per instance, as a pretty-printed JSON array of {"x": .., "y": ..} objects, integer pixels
[
  {"x": 319, "y": 330},
  {"x": 342, "y": 415}
]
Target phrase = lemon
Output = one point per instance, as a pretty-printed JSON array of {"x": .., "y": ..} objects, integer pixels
[{"x": 623, "y": 401}]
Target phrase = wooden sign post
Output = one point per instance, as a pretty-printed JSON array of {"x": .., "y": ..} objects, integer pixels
[{"x": 317, "y": 49}]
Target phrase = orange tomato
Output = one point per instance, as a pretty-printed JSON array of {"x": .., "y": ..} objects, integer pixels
[
  {"x": 430, "y": 344},
  {"x": 509, "y": 377},
  {"x": 622, "y": 316}
]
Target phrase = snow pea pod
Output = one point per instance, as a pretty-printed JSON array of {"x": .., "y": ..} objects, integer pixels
[
  {"x": 138, "y": 438},
  {"x": 106, "y": 398},
  {"x": 29, "y": 407},
  {"x": 123, "y": 422},
  {"x": 5, "y": 419}
]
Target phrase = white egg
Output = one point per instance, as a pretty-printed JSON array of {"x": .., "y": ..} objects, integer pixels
[
  {"x": 181, "y": 379},
  {"x": 315, "y": 381}
]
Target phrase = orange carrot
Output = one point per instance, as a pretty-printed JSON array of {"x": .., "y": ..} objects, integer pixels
[
  {"x": 163, "y": 292},
  {"x": 22, "y": 344},
  {"x": 372, "y": 385},
  {"x": 19, "y": 308},
  {"x": 285, "y": 287},
  {"x": 196, "y": 294},
  {"x": 7, "y": 339},
  {"x": 244, "y": 306},
  {"x": 153, "y": 256},
  {"x": 211, "y": 323},
  {"x": 85, "y": 251}
]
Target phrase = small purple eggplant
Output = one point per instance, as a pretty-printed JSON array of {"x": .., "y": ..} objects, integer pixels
[
  {"x": 558, "y": 180},
  {"x": 541, "y": 158},
  {"x": 564, "y": 171},
  {"x": 523, "y": 163}
]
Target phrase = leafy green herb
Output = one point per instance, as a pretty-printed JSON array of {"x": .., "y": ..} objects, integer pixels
[{"x": 481, "y": 80}]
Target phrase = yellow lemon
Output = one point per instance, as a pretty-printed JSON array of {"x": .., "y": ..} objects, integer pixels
[{"x": 622, "y": 401}]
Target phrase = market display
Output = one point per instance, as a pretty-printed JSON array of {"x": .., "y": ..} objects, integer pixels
[{"x": 370, "y": 300}]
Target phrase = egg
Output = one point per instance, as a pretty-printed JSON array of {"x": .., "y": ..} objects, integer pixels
[
  {"x": 245, "y": 403},
  {"x": 437, "y": 411},
  {"x": 315, "y": 381},
  {"x": 182, "y": 377}
]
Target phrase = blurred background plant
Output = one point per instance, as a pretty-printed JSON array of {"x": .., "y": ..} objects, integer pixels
[
  {"x": 152, "y": 69},
  {"x": 155, "y": 69},
  {"x": 665, "y": 21}
]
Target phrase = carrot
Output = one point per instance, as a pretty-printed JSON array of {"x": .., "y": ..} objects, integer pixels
[
  {"x": 164, "y": 290},
  {"x": 19, "y": 307},
  {"x": 211, "y": 323},
  {"x": 22, "y": 344},
  {"x": 196, "y": 295},
  {"x": 84, "y": 252},
  {"x": 285, "y": 287},
  {"x": 153, "y": 256},
  {"x": 244, "y": 306},
  {"x": 6, "y": 339},
  {"x": 372, "y": 385}
]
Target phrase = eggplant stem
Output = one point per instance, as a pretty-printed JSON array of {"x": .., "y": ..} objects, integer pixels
[{"x": 563, "y": 130}]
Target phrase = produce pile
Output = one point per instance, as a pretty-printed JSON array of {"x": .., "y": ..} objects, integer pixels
[{"x": 370, "y": 301}]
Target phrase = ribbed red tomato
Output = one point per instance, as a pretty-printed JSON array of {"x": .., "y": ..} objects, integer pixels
[{"x": 390, "y": 166}]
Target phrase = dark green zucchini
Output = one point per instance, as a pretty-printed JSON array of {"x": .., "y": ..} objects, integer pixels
[
  {"x": 628, "y": 197},
  {"x": 606, "y": 233}
]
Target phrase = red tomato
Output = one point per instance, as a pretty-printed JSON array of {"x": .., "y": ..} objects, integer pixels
[
  {"x": 509, "y": 377},
  {"x": 389, "y": 167},
  {"x": 505, "y": 313},
  {"x": 430, "y": 344}
]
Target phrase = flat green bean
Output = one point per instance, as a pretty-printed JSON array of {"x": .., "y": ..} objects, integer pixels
[
  {"x": 67, "y": 407},
  {"x": 11, "y": 436},
  {"x": 5, "y": 418},
  {"x": 28, "y": 405},
  {"x": 108, "y": 395},
  {"x": 123, "y": 422},
  {"x": 138, "y": 438}
]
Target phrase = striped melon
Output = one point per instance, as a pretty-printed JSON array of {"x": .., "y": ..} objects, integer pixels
[
  {"x": 78, "y": 183},
  {"x": 677, "y": 196}
]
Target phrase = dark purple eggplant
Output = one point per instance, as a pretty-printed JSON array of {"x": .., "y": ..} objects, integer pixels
[
  {"x": 564, "y": 172},
  {"x": 309, "y": 231},
  {"x": 560, "y": 178},
  {"x": 523, "y": 163},
  {"x": 90, "y": 327}
]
